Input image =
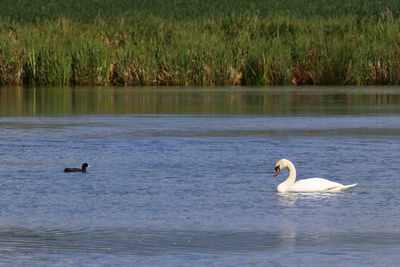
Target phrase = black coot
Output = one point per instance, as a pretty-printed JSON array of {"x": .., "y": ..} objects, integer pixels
[{"x": 83, "y": 169}]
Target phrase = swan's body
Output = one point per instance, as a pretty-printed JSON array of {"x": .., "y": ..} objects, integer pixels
[{"x": 311, "y": 185}]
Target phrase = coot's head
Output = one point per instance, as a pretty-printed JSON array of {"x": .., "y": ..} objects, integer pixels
[{"x": 84, "y": 166}]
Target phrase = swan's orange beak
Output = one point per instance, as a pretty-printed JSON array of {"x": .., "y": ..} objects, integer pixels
[{"x": 277, "y": 170}]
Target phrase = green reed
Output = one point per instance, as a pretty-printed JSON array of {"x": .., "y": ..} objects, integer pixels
[
  {"x": 88, "y": 10},
  {"x": 230, "y": 50}
]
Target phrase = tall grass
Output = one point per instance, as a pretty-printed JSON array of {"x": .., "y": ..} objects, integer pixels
[
  {"x": 248, "y": 49},
  {"x": 88, "y": 10}
]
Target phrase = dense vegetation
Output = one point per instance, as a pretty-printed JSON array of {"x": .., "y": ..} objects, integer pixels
[
  {"x": 188, "y": 42},
  {"x": 87, "y": 10}
]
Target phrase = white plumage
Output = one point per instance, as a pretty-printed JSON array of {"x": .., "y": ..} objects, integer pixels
[{"x": 310, "y": 185}]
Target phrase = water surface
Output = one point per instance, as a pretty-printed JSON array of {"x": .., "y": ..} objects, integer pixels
[{"x": 183, "y": 177}]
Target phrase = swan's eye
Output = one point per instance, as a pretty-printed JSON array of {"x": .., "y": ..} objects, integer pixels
[{"x": 277, "y": 168}]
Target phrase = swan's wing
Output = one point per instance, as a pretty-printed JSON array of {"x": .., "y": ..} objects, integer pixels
[{"x": 314, "y": 185}]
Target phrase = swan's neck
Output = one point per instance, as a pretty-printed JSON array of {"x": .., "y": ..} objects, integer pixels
[
  {"x": 292, "y": 174},
  {"x": 290, "y": 180}
]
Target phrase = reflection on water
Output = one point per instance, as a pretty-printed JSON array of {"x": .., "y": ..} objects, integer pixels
[
  {"x": 290, "y": 199},
  {"x": 287, "y": 199},
  {"x": 152, "y": 242},
  {"x": 20, "y": 101}
]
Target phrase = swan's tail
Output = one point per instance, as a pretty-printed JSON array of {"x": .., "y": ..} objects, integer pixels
[{"x": 347, "y": 187}]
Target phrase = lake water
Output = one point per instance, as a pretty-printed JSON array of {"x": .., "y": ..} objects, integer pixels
[{"x": 184, "y": 177}]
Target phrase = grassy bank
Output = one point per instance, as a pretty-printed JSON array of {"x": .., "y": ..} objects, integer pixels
[
  {"x": 231, "y": 49},
  {"x": 89, "y": 10}
]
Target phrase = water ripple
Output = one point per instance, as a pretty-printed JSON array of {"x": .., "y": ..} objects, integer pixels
[{"x": 148, "y": 241}]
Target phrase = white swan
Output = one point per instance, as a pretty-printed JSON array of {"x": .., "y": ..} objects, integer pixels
[{"x": 310, "y": 185}]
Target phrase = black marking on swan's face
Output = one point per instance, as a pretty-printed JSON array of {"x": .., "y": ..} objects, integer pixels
[{"x": 277, "y": 170}]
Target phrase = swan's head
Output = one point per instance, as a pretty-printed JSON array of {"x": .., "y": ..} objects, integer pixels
[{"x": 279, "y": 165}]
